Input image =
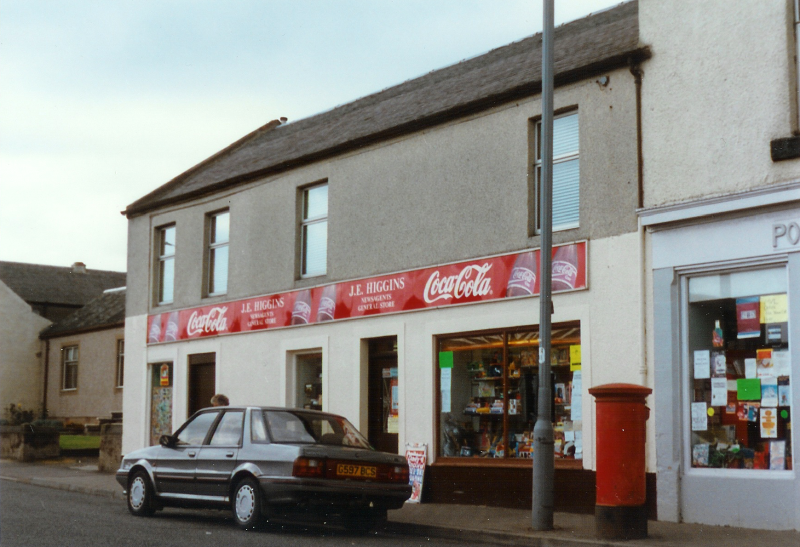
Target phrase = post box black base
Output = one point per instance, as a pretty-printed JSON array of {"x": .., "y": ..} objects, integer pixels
[{"x": 621, "y": 522}]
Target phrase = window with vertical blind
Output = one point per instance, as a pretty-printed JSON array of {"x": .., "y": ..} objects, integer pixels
[
  {"x": 218, "y": 236},
  {"x": 314, "y": 231},
  {"x": 566, "y": 172},
  {"x": 69, "y": 368}
]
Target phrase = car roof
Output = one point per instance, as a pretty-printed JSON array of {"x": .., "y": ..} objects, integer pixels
[{"x": 275, "y": 408}]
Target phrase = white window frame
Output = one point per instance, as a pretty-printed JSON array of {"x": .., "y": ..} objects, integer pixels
[
  {"x": 120, "y": 362},
  {"x": 68, "y": 361},
  {"x": 307, "y": 222},
  {"x": 165, "y": 256},
  {"x": 559, "y": 159},
  {"x": 214, "y": 247}
]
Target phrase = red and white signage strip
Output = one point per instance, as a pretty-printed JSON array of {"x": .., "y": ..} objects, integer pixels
[{"x": 464, "y": 282}]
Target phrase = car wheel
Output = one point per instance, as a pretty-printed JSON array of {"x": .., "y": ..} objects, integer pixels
[
  {"x": 246, "y": 504},
  {"x": 141, "y": 497},
  {"x": 364, "y": 521}
]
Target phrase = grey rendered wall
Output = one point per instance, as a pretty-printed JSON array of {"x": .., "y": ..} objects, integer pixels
[{"x": 448, "y": 193}]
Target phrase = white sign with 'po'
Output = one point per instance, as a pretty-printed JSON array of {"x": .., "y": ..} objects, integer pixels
[{"x": 785, "y": 235}]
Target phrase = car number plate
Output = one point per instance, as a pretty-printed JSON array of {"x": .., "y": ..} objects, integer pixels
[{"x": 362, "y": 471}]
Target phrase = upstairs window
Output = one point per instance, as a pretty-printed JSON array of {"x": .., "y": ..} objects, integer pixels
[
  {"x": 166, "y": 264},
  {"x": 218, "y": 237},
  {"x": 566, "y": 173},
  {"x": 69, "y": 368},
  {"x": 314, "y": 231}
]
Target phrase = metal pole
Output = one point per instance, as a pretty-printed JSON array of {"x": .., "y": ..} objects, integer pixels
[{"x": 543, "y": 463}]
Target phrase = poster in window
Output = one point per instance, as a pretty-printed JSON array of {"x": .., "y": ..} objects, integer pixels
[
  {"x": 702, "y": 364},
  {"x": 777, "y": 455},
  {"x": 784, "y": 392},
  {"x": 748, "y": 317},
  {"x": 699, "y": 416},
  {"x": 764, "y": 366},
  {"x": 719, "y": 392},
  {"x": 769, "y": 392},
  {"x": 769, "y": 423}
]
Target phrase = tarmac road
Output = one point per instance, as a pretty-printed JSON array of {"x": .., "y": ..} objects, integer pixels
[{"x": 36, "y": 516}]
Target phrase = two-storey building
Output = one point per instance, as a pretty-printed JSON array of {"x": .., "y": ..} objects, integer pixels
[
  {"x": 380, "y": 260},
  {"x": 722, "y": 214}
]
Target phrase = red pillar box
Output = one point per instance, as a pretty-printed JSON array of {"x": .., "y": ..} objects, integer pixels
[{"x": 620, "y": 508}]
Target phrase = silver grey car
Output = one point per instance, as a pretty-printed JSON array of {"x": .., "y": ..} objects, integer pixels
[{"x": 265, "y": 462}]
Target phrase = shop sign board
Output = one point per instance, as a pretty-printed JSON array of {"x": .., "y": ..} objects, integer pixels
[
  {"x": 481, "y": 280},
  {"x": 417, "y": 458}
]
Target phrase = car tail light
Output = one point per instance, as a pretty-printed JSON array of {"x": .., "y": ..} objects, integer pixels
[
  {"x": 309, "y": 468},
  {"x": 399, "y": 473}
]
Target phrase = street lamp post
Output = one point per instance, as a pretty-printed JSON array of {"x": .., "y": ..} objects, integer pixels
[{"x": 543, "y": 462}]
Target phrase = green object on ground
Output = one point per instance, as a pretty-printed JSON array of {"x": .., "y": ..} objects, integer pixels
[{"x": 79, "y": 442}]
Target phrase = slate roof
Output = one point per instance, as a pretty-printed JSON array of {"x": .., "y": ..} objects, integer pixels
[
  {"x": 105, "y": 311},
  {"x": 36, "y": 283},
  {"x": 584, "y": 47}
]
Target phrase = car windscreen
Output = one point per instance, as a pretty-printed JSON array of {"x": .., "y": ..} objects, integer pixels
[{"x": 307, "y": 427}]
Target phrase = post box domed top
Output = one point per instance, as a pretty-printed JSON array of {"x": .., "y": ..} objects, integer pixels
[{"x": 627, "y": 392}]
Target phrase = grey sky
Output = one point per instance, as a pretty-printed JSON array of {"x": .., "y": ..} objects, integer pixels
[{"x": 102, "y": 102}]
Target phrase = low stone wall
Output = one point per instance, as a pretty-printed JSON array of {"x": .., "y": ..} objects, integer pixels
[
  {"x": 110, "y": 448},
  {"x": 27, "y": 443}
]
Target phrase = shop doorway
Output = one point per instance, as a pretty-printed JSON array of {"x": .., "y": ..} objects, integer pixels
[
  {"x": 202, "y": 380},
  {"x": 383, "y": 404},
  {"x": 308, "y": 375},
  {"x": 160, "y": 401}
]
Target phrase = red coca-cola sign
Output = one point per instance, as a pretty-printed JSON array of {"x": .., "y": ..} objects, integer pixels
[{"x": 505, "y": 276}]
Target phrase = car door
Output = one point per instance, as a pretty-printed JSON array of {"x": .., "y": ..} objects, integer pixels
[
  {"x": 217, "y": 459},
  {"x": 174, "y": 469}
]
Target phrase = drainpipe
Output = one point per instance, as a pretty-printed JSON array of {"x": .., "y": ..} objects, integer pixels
[
  {"x": 46, "y": 373},
  {"x": 642, "y": 254}
]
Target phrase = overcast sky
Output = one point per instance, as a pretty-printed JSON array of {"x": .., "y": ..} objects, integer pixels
[{"x": 103, "y": 101}]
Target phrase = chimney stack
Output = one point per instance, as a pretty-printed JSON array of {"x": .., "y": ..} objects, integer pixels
[{"x": 79, "y": 268}]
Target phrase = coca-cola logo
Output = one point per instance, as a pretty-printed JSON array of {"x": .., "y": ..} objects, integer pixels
[
  {"x": 327, "y": 306},
  {"x": 522, "y": 276},
  {"x": 471, "y": 281},
  {"x": 301, "y": 309},
  {"x": 565, "y": 270},
  {"x": 172, "y": 331},
  {"x": 415, "y": 459},
  {"x": 155, "y": 330},
  {"x": 212, "y": 322}
]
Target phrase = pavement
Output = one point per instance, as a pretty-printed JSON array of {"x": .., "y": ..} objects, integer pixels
[{"x": 467, "y": 523}]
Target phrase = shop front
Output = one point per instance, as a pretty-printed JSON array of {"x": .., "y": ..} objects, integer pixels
[
  {"x": 444, "y": 356},
  {"x": 726, "y": 365}
]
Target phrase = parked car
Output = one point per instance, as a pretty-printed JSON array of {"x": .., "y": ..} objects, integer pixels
[{"x": 264, "y": 462}]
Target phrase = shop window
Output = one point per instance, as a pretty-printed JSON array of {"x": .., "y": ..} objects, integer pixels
[
  {"x": 309, "y": 381},
  {"x": 314, "y": 231},
  {"x": 218, "y": 236},
  {"x": 566, "y": 172},
  {"x": 166, "y": 264},
  {"x": 489, "y": 386},
  {"x": 740, "y": 370}
]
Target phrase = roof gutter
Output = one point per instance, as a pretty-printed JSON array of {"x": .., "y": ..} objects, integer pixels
[{"x": 520, "y": 92}]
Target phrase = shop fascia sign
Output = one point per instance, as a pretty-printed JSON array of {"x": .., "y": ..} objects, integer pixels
[
  {"x": 481, "y": 280},
  {"x": 785, "y": 235}
]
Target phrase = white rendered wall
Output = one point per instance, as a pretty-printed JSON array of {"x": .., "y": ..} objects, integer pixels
[{"x": 716, "y": 91}]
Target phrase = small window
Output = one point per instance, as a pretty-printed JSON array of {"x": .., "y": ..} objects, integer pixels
[
  {"x": 314, "y": 231},
  {"x": 166, "y": 264},
  {"x": 566, "y": 173},
  {"x": 120, "y": 362},
  {"x": 69, "y": 368},
  {"x": 194, "y": 433},
  {"x": 219, "y": 232},
  {"x": 229, "y": 430}
]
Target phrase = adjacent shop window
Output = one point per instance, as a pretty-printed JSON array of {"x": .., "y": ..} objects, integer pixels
[
  {"x": 69, "y": 367},
  {"x": 489, "y": 384},
  {"x": 120, "y": 362},
  {"x": 309, "y": 381},
  {"x": 314, "y": 231},
  {"x": 566, "y": 172},
  {"x": 740, "y": 370},
  {"x": 166, "y": 264},
  {"x": 218, "y": 236}
]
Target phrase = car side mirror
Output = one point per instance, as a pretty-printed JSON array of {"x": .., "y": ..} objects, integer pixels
[{"x": 167, "y": 441}]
